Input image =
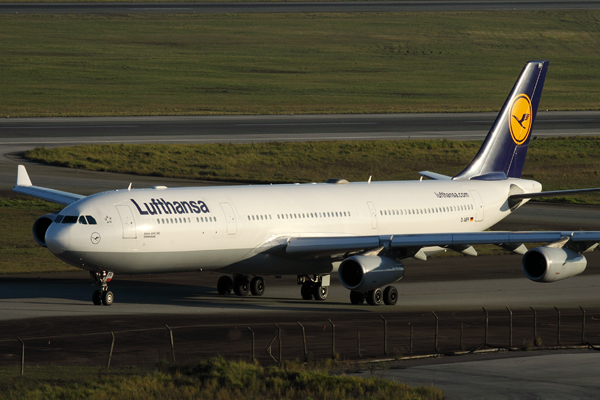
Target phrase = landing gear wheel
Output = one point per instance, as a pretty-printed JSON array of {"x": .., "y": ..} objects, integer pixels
[
  {"x": 357, "y": 297},
  {"x": 375, "y": 297},
  {"x": 320, "y": 292},
  {"x": 224, "y": 285},
  {"x": 107, "y": 298},
  {"x": 306, "y": 291},
  {"x": 97, "y": 297},
  {"x": 257, "y": 286},
  {"x": 241, "y": 286},
  {"x": 390, "y": 296}
]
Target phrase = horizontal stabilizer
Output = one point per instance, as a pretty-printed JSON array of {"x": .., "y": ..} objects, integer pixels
[
  {"x": 435, "y": 176},
  {"x": 25, "y": 187},
  {"x": 551, "y": 193}
]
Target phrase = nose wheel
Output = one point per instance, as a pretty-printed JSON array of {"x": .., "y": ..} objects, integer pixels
[{"x": 102, "y": 296}]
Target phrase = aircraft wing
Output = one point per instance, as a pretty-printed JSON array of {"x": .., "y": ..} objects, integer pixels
[
  {"x": 341, "y": 247},
  {"x": 24, "y": 186}
]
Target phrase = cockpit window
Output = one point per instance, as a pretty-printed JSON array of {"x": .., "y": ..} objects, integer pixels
[
  {"x": 82, "y": 220},
  {"x": 58, "y": 219},
  {"x": 90, "y": 220},
  {"x": 69, "y": 219}
]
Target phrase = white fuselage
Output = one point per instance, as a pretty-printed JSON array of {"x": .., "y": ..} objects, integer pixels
[{"x": 229, "y": 228}]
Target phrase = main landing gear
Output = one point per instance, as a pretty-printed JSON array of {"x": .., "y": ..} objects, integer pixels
[
  {"x": 316, "y": 287},
  {"x": 102, "y": 296},
  {"x": 241, "y": 285},
  {"x": 376, "y": 297}
]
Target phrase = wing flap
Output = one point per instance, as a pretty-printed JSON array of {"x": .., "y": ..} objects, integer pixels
[{"x": 330, "y": 245}]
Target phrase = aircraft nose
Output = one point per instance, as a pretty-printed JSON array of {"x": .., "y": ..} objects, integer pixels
[{"x": 58, "y": 238}]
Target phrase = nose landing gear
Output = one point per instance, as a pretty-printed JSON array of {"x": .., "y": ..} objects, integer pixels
[{"x": 102, "y": 296}]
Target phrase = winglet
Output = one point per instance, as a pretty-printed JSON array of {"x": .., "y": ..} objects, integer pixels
[
  {"x": 23, "y": 177},
  {"x": 24, "y": 186}
]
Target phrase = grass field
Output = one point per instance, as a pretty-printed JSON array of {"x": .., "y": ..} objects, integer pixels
[
  {"x": 73, "y": 65},
  {"x": 20, "y": 253},
  {"x": 210, "y": 379},
  {"x": 557, "y": 163}
]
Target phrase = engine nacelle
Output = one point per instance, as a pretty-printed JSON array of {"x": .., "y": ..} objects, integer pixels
[
  {"x": 364, "y": 273},
  {"x": 548, "y": 264},
  {"x": 40, "y": 226}
]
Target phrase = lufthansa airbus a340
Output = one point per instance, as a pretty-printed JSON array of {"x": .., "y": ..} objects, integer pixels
[{"x": 362, "y": 230}]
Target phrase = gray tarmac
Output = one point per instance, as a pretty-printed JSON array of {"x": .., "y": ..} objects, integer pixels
[
  {"x": 566, "y": 375},
  {"x": 292, "y": 7}
]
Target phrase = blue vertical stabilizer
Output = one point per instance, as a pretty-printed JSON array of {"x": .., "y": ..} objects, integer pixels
[{"x": 502, "y": 154}]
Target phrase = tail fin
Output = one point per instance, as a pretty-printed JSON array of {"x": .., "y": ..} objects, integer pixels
[{"x": 502, "y": 154}]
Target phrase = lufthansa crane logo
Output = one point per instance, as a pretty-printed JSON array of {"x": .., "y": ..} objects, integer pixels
[{"x": 520, "y": 119}]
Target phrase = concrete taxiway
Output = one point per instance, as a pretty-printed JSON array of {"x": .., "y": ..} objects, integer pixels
[{"x": 292, "y": 7}]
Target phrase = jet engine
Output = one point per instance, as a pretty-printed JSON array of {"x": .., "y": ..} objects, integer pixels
[
  {"x": 364, "y": 273},
  {"x": 548, "y": 264},
  {"x": 40, "y": 226}
]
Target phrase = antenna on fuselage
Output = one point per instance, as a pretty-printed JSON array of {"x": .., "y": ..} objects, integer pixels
[
  {"x": 369, "y": 182},
  {"x": 129, "y": 188}
]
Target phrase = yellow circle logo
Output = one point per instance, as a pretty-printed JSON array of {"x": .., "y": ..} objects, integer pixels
[{"x": 520, "y": 119}]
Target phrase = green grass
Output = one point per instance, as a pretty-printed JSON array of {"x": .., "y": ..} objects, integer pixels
[
  {"x": 211, "y": 379},
  {"x": 74, "y": 65},
  {"x": 19, "y": 253},
  {"x": 561, "y": 163}
]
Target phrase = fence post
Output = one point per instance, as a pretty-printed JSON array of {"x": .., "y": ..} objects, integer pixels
[
  {"x": 251, "y": 331},
  {"x": 510, "y": 329},
  {"x": 385, "y": 335},
  {"x": 112, "y": 346},
  {"x": 22, "y": 357},
  {"x": 279, "y": 339},
  {"x": 557, "y": 327},
  {"x": 172, "y": 343},
  {"x": 358, "y": 342},
  {"x": 534, "y": 326},
  {"x": 487, "y": 319},
  {"x": 304, "y": 342},
  {"x": 411, "y": 338},
  {"x": 332, "y": 340},
  {"x": 582, "y": 325},
  {"x": 436, "y": 332}
]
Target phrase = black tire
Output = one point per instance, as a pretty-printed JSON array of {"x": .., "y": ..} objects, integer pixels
[
  {"x": 357, "y": 298},
  {"x": 320, "y": 292},
  {"x": 257, "y": 286},
  {"x": 107, "y": 298},
  {"x": 390, "y": 296},
  {"x": 375, "y": 297},
  {"x": 97, "y": 297},
  {"x": 241, "y": 286},
  {"x": 224, "y": 285},
  {"x": 306, "y": 291}
]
